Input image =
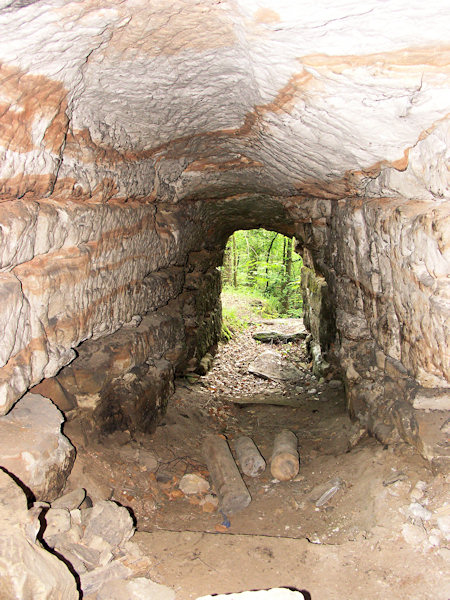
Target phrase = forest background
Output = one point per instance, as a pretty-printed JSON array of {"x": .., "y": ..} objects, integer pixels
[{"x": 264, "y": 267}]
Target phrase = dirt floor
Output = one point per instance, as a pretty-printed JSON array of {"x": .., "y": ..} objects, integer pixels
[{"x": 376, "y": 537}]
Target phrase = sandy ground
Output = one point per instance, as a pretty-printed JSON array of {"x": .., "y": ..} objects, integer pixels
[{"x": 366, "y": 541}]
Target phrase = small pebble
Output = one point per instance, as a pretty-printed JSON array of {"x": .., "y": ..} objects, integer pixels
[
  {"x": 416, "y": 494},
  {"x": 417, "y": 510},
  {"x": 335, "y": 383}
]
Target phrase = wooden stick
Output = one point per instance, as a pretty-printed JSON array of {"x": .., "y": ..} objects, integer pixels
[
  {"x": 230, "y": 488},
  {"x": 249, "y": 457},
  {"x": 285, "y": 461}
]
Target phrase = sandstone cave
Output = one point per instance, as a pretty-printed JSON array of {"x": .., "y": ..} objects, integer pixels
[{"x": 136, "y": 136}]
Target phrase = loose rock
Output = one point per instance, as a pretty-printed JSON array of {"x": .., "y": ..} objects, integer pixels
[
  {"x": 270, "y": 365},
  {"x": 193, "y": 484},
  {"x": 277, "y": 337},
  {"x": 107, "y": 526},
  {"x": 57, "y": 521},
  {"x": 70, "y": 501},
  {"x": 33, "y": 448},
  {"x": 26, "y": 569},
  {"x": 140, "y": 588},
  {"x": 94, "y": 580}
]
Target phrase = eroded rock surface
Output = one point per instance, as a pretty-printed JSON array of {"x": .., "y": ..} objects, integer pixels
[
  {"x": 32, "y": 447},
  {"x": 26, "y": 569},
  {"x": 145, "y": 133}
]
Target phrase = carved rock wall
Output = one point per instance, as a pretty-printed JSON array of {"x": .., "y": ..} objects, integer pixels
[
  {"x": 386, "y": 265},
  {"x": 75, "y": 271},
  {"x": 136, "y": 135}
]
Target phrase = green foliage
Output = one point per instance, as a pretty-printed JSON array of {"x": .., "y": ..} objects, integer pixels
[
  {"x": 232, "y": 323},
  {"x": 263, "y": 263}
]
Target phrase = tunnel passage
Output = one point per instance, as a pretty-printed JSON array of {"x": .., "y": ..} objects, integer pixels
[
  {"x": 130, "y": 155},
  {"x": 137, "y": 135},
  {"x": 151, "y": 305}
]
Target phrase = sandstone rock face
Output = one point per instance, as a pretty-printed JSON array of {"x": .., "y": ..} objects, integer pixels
[
  {"x": 32, "y": 447},
  {"x": 389, "y": 296},
  {"x": 318, "y": 308},
  {"x": 26, "y": 569},
  {"x": 136, "y": 135}
]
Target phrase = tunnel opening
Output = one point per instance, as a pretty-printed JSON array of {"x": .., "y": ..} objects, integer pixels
[
  {"x": 348, "y": 488},
  {"x": 265, "y": 264}
]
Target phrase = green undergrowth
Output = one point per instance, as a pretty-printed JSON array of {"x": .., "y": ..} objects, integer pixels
[
  {"x": 241, "y": 307},
  {"x": 231, "y": 323}
]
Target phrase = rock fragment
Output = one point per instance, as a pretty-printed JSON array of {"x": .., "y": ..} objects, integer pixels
[
  {"x": 193, "y": 484},
  {"x": 26, "y": 569},
  {"x": 71, "y": 500},
  {"x": 33, "y": 448},
  {"x": 270, "y": 365},
  {"x": 140, "y": 588},
  {"x": 107, "y": 526}
]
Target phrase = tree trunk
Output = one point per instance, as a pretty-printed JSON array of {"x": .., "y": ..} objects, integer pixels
[
  {"x": 227, "y": 271},
  {"x": 287, "y": 260},
  {"x": 234, "y": 260},
  {"x": 267, "y": 260}
]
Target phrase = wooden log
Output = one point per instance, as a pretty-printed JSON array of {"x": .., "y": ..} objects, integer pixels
[
  {"x": 227, "y": 481},
  {"x": 249, "y": 457},
  {"x": 285, "y": 462}
]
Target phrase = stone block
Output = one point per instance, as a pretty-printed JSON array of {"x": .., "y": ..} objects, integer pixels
[
  {"x": 33, "y": 448},
  {"x": 137, "y": 400},
  {"x": 52, "y": 389},
  {"x": 57, "y": 521},
  {"x": 26, "y": 569},
  {"x": 94, "y": 580},
  {"x": 270, "y": 365},
  {"x": 71, "y": 500},
  {"x": 106, "y": 525}
]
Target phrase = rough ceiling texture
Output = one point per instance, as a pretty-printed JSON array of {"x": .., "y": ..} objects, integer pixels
[
  {"x": 135, "y": 135},
  {"x": 196, "y": 98}
]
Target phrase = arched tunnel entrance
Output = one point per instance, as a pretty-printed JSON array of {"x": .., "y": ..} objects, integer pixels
[
  {"x": 138, "y": 413},
  {"x": 135, "y": 137}
]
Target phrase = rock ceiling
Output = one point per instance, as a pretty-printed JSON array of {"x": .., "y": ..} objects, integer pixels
[{"x": 211, "y": 98}]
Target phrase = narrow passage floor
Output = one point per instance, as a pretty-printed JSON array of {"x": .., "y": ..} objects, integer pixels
[{"x": 368, "y": 540}]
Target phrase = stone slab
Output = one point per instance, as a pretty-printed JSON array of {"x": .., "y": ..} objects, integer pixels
[
  {"x": 270, "y": 365},
  {"x": 33, "y": 448},
  {"x": 26, "y": 569}
]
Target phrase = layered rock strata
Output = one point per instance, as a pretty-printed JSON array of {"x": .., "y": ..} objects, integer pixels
[
  {"x": 136, "y": 136},
  {"x": 386, "y": 266}
]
